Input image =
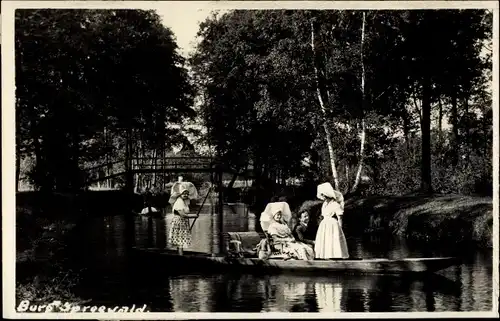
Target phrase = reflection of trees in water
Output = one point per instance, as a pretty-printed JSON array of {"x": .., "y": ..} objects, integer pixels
[
  {"x": 477, "y": 283},
  {"x": 153, "y": 289},
  {"x": 379, "y": 245},
  {"x": 380, "y": 295},
  {"x": 355, "y": 300},
  {"x": 150, "y": 232},
  {"x": 308, "y": 302},
  {"x": 236, "y": 293},
  {"x": 467, "y": 288},
  {"x": 191, "y": 294},
  {"x": 343, "y": 293}
]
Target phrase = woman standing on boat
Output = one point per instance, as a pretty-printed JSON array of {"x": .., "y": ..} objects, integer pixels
[
  {"x": 180, "y": 234},
  {"x": 330, "y": 239}
]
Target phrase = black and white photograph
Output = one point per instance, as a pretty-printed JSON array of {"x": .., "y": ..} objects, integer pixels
[{"x": 181, "y": 159}]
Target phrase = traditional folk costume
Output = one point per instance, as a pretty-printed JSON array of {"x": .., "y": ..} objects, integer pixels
[
  {"x": 282, "y": 236},
  {"x": 330, "y": 239},
  {"x": 180, "y": 235}
]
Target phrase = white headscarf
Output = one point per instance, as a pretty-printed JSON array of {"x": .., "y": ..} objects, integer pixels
[
  {"x": 267, "y": 217},
  {"x": 180, "y": 204},
  {"x": 326, "y": 189}
]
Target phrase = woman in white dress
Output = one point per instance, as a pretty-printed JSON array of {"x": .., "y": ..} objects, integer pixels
[{"x": 330, "y": 240}]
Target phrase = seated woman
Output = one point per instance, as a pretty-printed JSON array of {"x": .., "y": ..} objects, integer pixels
[
  {"x": 282, "y": 237},
  {"x": 300, "y": 230}
]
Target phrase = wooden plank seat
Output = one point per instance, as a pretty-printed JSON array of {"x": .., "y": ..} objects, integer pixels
[{"x": 243, "y": 244}]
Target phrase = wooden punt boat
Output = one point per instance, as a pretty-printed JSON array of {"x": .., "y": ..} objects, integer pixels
[{"x": 207, "y": 262}]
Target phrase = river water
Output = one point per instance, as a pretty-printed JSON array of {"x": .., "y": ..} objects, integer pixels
[{"x": 111, "y": 278}]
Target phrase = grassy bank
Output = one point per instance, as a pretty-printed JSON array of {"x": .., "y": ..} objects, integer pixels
[
  {"x": 41, "y": 249},
  {"x": 45, "y": 225},
  {"x": 441, "y": 218}
]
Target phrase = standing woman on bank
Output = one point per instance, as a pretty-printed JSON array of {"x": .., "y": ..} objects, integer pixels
[
  {"x": 180, "y": 234},
  {"x": 330, "y": 240}
]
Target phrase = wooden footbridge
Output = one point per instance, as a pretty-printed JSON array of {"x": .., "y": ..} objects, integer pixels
[
  {"x": 168, "y": 165},
  {"x": 151, "y": 165},
  {"x": 128, "y": 169}
]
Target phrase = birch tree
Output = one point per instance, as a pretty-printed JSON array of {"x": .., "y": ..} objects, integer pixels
[
  {"x": 363, "y": 128},
  {"x": 328, "y": 136}
]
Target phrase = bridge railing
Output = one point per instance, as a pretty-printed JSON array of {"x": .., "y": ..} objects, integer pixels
[
  {"x": 103, "y": 172},
  {"x": 172, "y": 163},
  {"x": 117, "y": 168}
]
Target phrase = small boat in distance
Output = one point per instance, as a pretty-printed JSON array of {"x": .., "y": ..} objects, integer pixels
[{"x": 148, "y": 210}]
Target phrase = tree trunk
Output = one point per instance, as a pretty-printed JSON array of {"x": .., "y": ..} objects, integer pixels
[
  {"x": 363, "y": 127},
  {"x": 440, "y": 121},
  {"x": 155, "y": 160},
  {"x": 426, "y": 182},
  {"x": 454, "y": 122},
  {"x": 467, "y": 130},
  {"x": 323, "y": 110},
  {"x": 76, "y": 182},
  {"x": 129, "y": 178},
  {"x": 108, "y": 168},
  {"x": 361, "y": 156},
  {"x": 39, "y": 182},
  {"x": 347, "y": 176},
  {"x": 406, "y": 129}
]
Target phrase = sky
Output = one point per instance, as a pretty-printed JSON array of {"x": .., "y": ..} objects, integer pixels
[{"x": 184, "y": 21}]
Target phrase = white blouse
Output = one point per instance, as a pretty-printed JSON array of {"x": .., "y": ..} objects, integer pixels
[
  {"x": 181, "y": 206},
  {"x": 331, "y": 208}
]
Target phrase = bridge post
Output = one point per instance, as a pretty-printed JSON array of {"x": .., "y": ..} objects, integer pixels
[
  {"x": 129, "y": 176},
  {"x": 217, "y": 219},
  {"x": 129, "y": 190}
]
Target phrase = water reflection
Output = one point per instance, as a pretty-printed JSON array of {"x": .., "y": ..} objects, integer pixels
[
  {"x": 190, "y": 295},
  {"x": 153, "y": 232},
  {"x": 286, "y": 293},
  {"x": 111, "y": 279},
  {"x": 328, "y": 296}
]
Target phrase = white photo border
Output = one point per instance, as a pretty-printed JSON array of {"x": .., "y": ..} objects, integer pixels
[{"x": 8, "y": 147}]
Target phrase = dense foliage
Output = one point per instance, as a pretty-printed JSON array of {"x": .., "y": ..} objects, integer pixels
[
  {"x": 90, "y": 84},
  {"x": 416, "y": 84},
  {"x": 383, "y": 102}
]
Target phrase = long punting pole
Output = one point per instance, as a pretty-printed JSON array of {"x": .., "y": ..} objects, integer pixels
[
  {"x": 220, "y": 212},
  {"x": 199, "y": 210}
]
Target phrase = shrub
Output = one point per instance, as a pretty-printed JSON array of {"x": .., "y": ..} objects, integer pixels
[
  {"x": 40, "y": 273},
  {"x": 56, "y": 288}
]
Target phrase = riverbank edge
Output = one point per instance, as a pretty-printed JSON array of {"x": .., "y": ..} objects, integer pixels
[
  {"x": 450, "y": 219},
  {"x": 447, "y": 218}
]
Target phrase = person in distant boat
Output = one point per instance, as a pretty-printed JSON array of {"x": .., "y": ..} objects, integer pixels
[
  {"x": 330, "y": 240},
  {"x": 148, "y": 196},
  {"x": 300, "y": 230},
  {"x": 180, "y": 234},
  {"x": 282, "y": 237},
  {"x": 148, "y": 203}
]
